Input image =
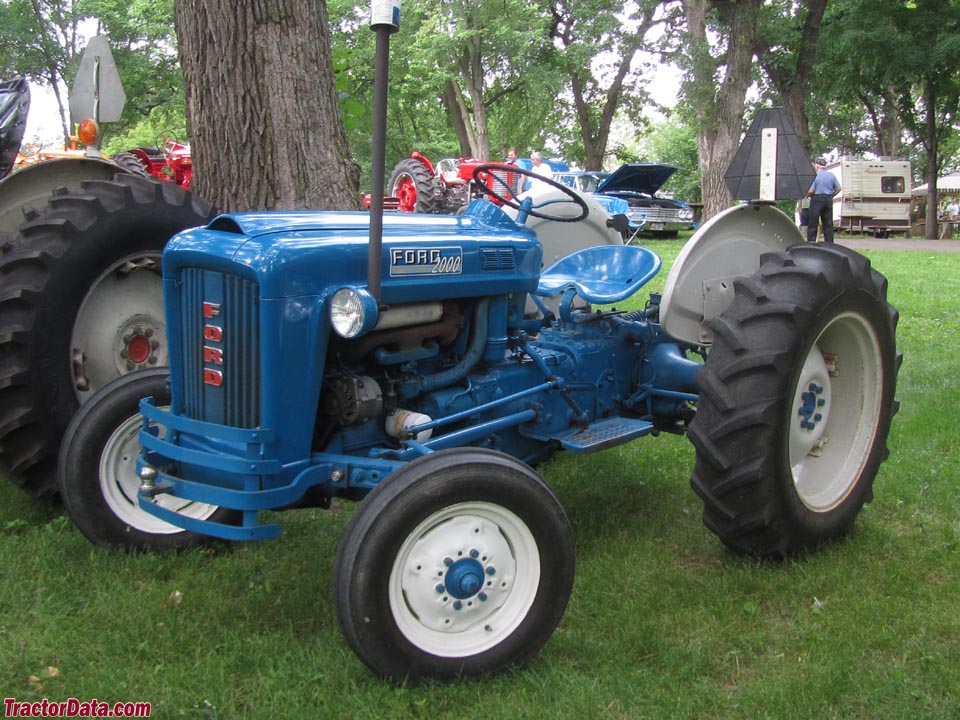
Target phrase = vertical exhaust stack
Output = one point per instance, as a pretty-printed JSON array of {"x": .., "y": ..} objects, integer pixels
[{"x": 384, "y": 21}]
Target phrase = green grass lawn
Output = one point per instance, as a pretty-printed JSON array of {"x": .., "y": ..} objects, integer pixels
[{"x": 663, "y": 621}]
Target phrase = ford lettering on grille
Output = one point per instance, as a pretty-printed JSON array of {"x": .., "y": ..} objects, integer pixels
[
  {"x": 212, "y": 345},
  {"x": 426, "y": 261}
]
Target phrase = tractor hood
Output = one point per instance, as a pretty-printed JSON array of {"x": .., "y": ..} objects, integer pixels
[
  {"x": 424, "y": 257},
  {"x": 640, "y": 177}
]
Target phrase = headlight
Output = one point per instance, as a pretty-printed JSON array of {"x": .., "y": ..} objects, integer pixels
[
  {"x": 686, "y": 214},
  {"x": 353, "y": 312}
]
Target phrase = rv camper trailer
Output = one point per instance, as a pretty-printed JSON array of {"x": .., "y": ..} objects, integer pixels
[{"x": 874, "y": 196}]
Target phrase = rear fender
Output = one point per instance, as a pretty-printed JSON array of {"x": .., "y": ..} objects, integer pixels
[
  {"x": 700, "y": 284},
  {"x": 34, "y": 184},
  {"x": 416, "y": 155}
]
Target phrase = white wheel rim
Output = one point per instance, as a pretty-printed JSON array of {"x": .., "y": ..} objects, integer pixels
[
  {"x": 836, "y": 412},
  {"x": 120, "y": 325},
  {"x": 487, "y": 556},
  {"x": 119, "y": 484}
]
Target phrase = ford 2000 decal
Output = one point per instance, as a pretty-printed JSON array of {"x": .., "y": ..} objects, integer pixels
[{"x": 426, "y": 261}]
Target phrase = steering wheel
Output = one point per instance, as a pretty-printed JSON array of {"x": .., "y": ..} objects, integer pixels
[{"x": 491, "y": 176}]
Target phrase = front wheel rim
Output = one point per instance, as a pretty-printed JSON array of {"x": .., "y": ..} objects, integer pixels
[
  {"x": 464, "y": 579},
  {"x": 836, "y": 412},
  {"x": 119, "y": 484}
]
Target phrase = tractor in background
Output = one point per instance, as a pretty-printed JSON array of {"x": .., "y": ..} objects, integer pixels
[
  {"x": 171, "y": 163},
  {"x": 447, "y": 187},
  {"x": 80, "y": 290}
]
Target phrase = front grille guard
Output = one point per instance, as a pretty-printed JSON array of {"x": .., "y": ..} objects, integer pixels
[{"x": 254, "y": 484}]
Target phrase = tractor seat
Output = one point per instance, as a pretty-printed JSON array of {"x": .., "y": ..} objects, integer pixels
[{"x": 602, "y": 275}]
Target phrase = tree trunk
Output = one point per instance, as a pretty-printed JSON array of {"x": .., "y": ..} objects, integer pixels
[
  {"x": 932, "y": 146},
  {"x": 720, "y": 113},
  {"x": 265, "y": 126},
  {"x": 596, "y": 136},
  {"x": 595, "y": 107},
  {"x": 792, "y": 83},
  {"x": 460, "y": 117},
  {"x": 471, "y": 71}
]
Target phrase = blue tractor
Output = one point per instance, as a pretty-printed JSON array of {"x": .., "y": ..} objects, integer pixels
[
  {"x": 292, "y": 383},
  {"x": 426, "y": 364}
]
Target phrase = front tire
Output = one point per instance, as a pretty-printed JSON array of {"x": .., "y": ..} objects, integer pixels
[
  {"x": 97, "y": 474},
  {"x": 796, "y": 400},
  {"x": 459, "y": 564}
]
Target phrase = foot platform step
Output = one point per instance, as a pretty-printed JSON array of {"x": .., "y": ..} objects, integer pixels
[{"x": 604, "y": 434}]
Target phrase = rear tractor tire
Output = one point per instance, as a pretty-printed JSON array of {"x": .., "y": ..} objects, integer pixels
[
  {"x": 131, "y": 163},
  {"x": 796, "y": 401},
  {"x": 80, "y": 304},
  {"x": 412, "y": 184}
]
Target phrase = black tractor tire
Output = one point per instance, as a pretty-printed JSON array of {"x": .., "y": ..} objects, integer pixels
[
  {"x": 458, "y": 564},
  {"x": 93, "y": 249},
  {"x": 97, "y": 477},
  {"x": 131, "y": 163},
  {"x": 412, "y": 183},
  {"x": 796, "y": 401}
]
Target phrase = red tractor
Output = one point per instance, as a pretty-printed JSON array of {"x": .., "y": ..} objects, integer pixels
[
  {"x": 417, "y": 185},
  {"x": 173, "y": 163}
]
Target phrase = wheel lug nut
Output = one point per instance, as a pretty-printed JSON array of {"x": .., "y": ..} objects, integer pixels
[
  {"x": 440, "y": 588},
  {"x": 474, "y": 554},
  {"x": 448, "y": 561},
  {"x": 458, "y": 605}
]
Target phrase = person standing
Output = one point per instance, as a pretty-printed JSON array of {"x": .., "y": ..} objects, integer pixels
[
  {"x": 825, "y": 186},
  {"x": 951, "y": 214},
  {"x": 540, "y": 168},
  {"x": 953, "y": 210}
]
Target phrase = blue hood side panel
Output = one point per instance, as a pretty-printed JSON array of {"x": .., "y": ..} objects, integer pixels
[{"x": 424, "y": 257}]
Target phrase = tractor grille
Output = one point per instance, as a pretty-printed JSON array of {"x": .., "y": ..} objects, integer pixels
[
  {"x": 506, "y": 178},
  {"x": 497, "y": 259},
  {"x": 220, "y": 341},
  {"x": 655, "y": 215}
]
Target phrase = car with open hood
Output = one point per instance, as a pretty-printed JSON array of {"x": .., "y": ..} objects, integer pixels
[{"x": 637, "y": 184}]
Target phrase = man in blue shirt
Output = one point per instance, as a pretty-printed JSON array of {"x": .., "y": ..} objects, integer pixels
[{"x": 825, "y": 186}]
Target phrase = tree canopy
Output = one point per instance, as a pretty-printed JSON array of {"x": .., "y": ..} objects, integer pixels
[{"x": 571, "y": 78}]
